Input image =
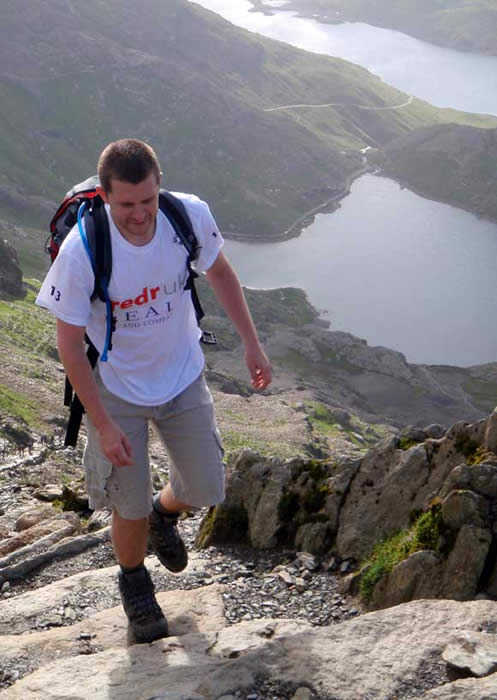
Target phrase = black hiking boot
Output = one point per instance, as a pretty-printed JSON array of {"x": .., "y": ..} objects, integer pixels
[
  {"x": 145, "y": 616},
  {"x": 166, "y": 542}
]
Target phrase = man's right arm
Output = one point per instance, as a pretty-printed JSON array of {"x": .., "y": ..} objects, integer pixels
[{"x": 113, "y": 441}]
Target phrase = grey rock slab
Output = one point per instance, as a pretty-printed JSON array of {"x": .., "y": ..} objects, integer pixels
[
  {"x": 418, "y": 576},
  {"x": 465, "y": 563},
  {"x": 33, "y": 516},
  {"x": 302, "y": 694},
  {"x": 385, "y": 481},
  {"x": 481, "y": 478},
  {"x": 199, "y": 611},
  {"x": 39, "y": 530},
  {"x": 313, "y": 536},
  {"x": 468, "y": 689},
  {"x": 244, "y": 637},
  {"x": 98, "y": 520},
  {"x": 59, "y": 543},
  {"x": 463, "y": 507},
  {"x": 50, "y": 492},
  {"x": 20, "y": 611},
  {"x": 140, "y": 672},
  {"x": 475, "y": 652},
  {"x": 369, "y": 656}
]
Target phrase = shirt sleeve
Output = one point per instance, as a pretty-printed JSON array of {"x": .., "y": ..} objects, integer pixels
[
  {"x": 68, "y": 286},
  {"x": 209, "y": 237}
]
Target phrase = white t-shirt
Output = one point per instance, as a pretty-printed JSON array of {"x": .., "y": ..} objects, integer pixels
[{"x": 155, "y": 345}]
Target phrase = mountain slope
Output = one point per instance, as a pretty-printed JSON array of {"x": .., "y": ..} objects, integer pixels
[
  {"x": 74, "y": 76},
  {"x": 452, "y": 163}
]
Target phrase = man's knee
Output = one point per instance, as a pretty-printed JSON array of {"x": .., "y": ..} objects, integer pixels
[{"x": 127, "y": 523}]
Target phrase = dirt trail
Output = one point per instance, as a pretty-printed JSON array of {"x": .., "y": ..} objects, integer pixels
[{"x": 341, "y": 104}]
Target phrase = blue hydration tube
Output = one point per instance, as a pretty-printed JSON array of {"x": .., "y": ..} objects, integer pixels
[{"x": 84, "y": 238}]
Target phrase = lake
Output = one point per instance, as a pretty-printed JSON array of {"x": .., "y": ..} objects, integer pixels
[
  {"x": 444, "y": 77},
  {"x": 389, "y": 266},
  {"x": 397, "y": 276}
]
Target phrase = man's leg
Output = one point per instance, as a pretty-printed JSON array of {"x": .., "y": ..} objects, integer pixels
[
  {"x": 146, "y": 619},
  {"x": 129, "y": 538},
  {"x": 188, "y": 430},
  {"x": 164, "y": 537},
  {"x": 169, "y": 503},
  {"x": 129, "y": 492}
]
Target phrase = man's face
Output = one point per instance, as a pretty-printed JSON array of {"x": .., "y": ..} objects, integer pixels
[{"x": 134, "y": 208}]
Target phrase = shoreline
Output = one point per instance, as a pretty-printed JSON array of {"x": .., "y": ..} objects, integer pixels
[
  {"x": 295, "y": 229},
  {"x": 301, "y": 223},
  {"x": 260, "y": 6},
  {"x": 404, "y": 184}
]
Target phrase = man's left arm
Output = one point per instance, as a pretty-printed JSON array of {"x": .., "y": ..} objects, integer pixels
[{"x": 226, "y": 285}]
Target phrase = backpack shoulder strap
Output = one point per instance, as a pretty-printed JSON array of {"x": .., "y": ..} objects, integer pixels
[
  {"x": 72, "y": 400},
  {"x": 98, "y": 236},
  {"x": 99, "y": 248},
  {"x": 175, "y": 211}
]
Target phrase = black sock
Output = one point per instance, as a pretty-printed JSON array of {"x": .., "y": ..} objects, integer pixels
[
  {"x": 132, "y": 569},
  {"x": 157, "y": 505}
]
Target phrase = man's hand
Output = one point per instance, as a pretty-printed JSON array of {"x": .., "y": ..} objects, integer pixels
[
  {"x": 226, "y": 285},
  {"x": 115, "y": 445},
  {"x": 258, "y": 366}
]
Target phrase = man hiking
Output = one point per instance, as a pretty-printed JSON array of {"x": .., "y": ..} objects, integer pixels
[{"x": 153, "y": 373}]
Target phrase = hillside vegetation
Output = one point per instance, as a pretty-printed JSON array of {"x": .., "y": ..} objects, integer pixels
[
  {"x": 467, "y": 25},
  {"x": 74, "y": 76},
  {"x": 455, "y": 164}
]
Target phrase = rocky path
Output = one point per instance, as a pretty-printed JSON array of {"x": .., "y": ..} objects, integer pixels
[
  {"x": 388, "y": 654},
  {"x": 243, "y": 624}
]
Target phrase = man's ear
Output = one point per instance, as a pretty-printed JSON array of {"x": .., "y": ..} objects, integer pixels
[{"x": 101, "y": 192}]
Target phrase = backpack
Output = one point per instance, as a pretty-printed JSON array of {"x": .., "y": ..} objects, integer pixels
[{"x": 83, "y": 204}]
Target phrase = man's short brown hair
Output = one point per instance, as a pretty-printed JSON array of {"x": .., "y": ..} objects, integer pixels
[{"x": 128, "y": 160}]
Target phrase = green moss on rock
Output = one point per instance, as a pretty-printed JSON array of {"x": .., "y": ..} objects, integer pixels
[
  {"x": 423, "y": 534},
  {"x": 314, "y": 498},
  {"x": 467, "y": 446},
  {"x": 406, "y": 443},
  {"x": 223, "y": 524}
]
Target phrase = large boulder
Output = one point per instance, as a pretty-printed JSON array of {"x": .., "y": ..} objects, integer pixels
[
  {"x": 271, "y": 502},
  {"x": 417, "y": 514}
]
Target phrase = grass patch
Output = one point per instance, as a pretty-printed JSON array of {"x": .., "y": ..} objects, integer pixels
[
  {"x": 223, "y": 524},
  {"x": 406, "y": 443},
  {"x": 18, "y": 405},
  {"x": 26, "y": 327},
  {"x": 467, "y": 447},
  {"x": 327, "y": 423},
  {"x": 234, "y": 440},
  {"x": 423, "y": 534},
  {"x": 478, "y": 456}
]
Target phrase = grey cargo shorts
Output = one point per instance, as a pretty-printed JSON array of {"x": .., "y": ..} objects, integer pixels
[{"x": 187, "y": 427}]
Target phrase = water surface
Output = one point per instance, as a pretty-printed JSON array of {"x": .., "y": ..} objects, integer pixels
[
  {"x": 394, "y": 268},
  {"x": 444, "y": 77}
]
